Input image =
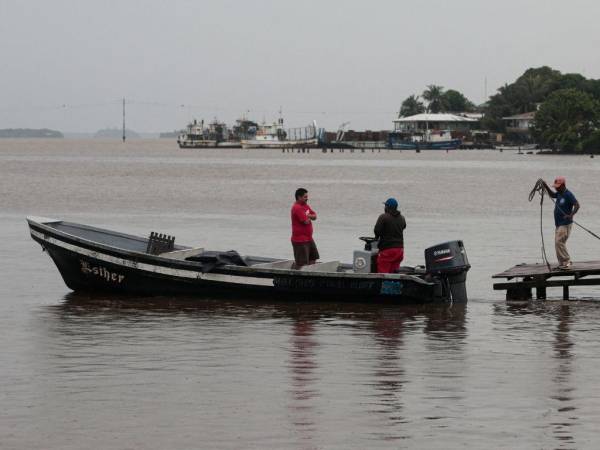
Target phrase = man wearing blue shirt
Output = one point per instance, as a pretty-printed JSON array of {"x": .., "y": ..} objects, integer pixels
[{"x": 565, "y": 207}]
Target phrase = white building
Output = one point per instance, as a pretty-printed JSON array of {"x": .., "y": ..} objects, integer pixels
[{"x": 427, "y": 121}]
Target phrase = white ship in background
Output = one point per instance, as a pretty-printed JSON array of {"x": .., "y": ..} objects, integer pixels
[
  {"x": 196, "y": 136},
  {"x": 276, "y": 136},
  {"x": 216, "y": 134}
]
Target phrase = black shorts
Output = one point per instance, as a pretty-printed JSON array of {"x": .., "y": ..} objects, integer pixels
[{"x": 305, "y": 252}]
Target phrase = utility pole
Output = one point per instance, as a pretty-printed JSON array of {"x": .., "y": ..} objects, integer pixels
[
  {"x": 123, "y": 119},
  {"x": 485, "y": 89}
]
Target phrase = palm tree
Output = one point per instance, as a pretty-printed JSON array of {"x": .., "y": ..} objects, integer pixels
[
  {"x": 411, "y": 106},
  {"x": 434, "y": 97}
]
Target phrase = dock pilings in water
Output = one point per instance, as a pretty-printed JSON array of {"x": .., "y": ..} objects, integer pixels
[
  {"x": 539, "y": 277},
  {"x": 331, "y": 150}
]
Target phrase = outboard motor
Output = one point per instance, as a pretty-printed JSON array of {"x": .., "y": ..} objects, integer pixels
[
  {"x": 364, "y": 261},
  {"x": 449, "y": 261}
]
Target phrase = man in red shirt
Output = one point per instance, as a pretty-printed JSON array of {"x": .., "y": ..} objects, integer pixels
[{"x": 305, "y": 249}]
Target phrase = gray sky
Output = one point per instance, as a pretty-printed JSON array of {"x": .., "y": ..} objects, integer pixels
[{"x": 67, "y": 64}]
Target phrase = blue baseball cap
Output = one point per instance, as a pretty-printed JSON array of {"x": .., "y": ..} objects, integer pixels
[{"x": 391, "y": 203}]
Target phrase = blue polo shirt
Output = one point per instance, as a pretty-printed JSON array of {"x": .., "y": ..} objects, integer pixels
[{"x": 563, "y": 206}]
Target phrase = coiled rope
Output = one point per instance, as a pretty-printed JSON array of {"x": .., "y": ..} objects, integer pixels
[{"x": 539, "y": 188}]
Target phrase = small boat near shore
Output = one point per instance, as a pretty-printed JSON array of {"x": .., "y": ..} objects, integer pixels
[{"x": 93, "y": 259}]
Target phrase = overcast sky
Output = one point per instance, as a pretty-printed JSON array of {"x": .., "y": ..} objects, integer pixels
[{"x": 66, "y": 64}]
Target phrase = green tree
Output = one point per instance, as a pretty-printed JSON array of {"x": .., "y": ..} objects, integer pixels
[
  {"x": 591, "y": 143},
  {"x": 593, "y": 88},
  {"x": 498, "y": 106},
  {"x": 534, "y": 86},
  {"x": 571, "y": 81},
  {"x": 523, "y": 95},
  {"x": 454, "y": 101},
  {"x": 434, "y": 96},
  {"x": 411, "y": 106},
  {"x": 566, "y": 119}
]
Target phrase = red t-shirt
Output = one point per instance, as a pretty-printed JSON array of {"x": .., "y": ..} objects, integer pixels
[{"x": 301, "y": 232}]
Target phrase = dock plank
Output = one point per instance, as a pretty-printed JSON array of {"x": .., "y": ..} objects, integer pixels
[
  {"x": 538, "y": 270},
  {"x": 549, "y": 283}
]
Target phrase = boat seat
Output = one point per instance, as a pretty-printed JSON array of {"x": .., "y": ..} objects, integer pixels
[
  {"x": 210, "y": 259},
  {"x": 182, "y": 254},
  {"x": 282, "y": 264},
  {"x": 329, "y": 266}
]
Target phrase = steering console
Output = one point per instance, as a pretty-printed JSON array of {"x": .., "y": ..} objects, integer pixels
[{"x": 368, "y": 240}]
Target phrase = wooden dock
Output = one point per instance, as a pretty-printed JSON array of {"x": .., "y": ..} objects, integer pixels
[{"x": 526, "y": 277}]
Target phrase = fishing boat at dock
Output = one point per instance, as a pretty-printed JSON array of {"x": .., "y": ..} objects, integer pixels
[
  {"x": 216, "y": 134},
  {"x": 196, "y": 136},
  {"x": 276, "y": 136},
  {"x": 428, "y": 131},
  {"x": 92, "y": 259},
  {"x": 431, "y": 140}
]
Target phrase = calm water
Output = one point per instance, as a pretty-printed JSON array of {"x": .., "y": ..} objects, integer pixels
[{"x": 165, "y": 373}]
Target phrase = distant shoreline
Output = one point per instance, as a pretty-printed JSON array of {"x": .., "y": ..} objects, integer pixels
[
  {"x": 44, "y": 133},
  {"x": 562, "y": 152}
]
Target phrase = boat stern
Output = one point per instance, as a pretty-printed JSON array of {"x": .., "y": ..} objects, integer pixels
[{"x": 449, "y": 261}]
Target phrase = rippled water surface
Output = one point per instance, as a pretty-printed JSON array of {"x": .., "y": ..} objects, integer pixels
[{"x": 179, "y": 373}]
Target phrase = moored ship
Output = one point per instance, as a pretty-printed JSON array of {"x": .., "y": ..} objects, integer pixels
[
  {"x": 429, "y": 140},
  {"x": 428, "y": 131},
  {"x": 196, "y": 136},
  {"x": 276, "y": 136},
  {"x": 217, "y": 134}
]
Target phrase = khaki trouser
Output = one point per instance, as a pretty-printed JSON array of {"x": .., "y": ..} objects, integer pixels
[{"x": 560, "y": 242}]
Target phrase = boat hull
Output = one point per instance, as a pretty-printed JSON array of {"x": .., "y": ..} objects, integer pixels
[
  {"x": 304, "y": 143},
  {"x": 89, "y": 267},
  {"x": 197, "y": 143},
  {"x": 452, "y": 144}
]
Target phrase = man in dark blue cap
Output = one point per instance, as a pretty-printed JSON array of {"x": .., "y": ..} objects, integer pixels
[{"x": 389, "y": 229}]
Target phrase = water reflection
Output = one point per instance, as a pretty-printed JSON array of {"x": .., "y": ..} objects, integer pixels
[
  {"x": 560, "y": 316},
  {"x": 302, "y": 364},
  {"x": 353, "y": 358},
  {"x": 389, "y": 372}
]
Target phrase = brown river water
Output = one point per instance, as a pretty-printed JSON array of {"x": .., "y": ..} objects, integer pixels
[{"x": 83, "y": 372}]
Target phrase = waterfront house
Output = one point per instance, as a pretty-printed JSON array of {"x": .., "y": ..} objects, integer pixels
[
  {"x": 519, "y": 123},
  {"x": 428, "y": 121}
]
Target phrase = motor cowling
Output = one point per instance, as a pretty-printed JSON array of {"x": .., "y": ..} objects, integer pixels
[
  {"x": 449, "y": 261},
  {"x": 447, "y": 258}
]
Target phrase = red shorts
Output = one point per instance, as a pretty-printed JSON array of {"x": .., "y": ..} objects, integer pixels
[{"x": 388, "y": 260}]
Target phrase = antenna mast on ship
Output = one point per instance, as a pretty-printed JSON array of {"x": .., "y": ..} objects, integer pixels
[{"x": 123, "y": 119}]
